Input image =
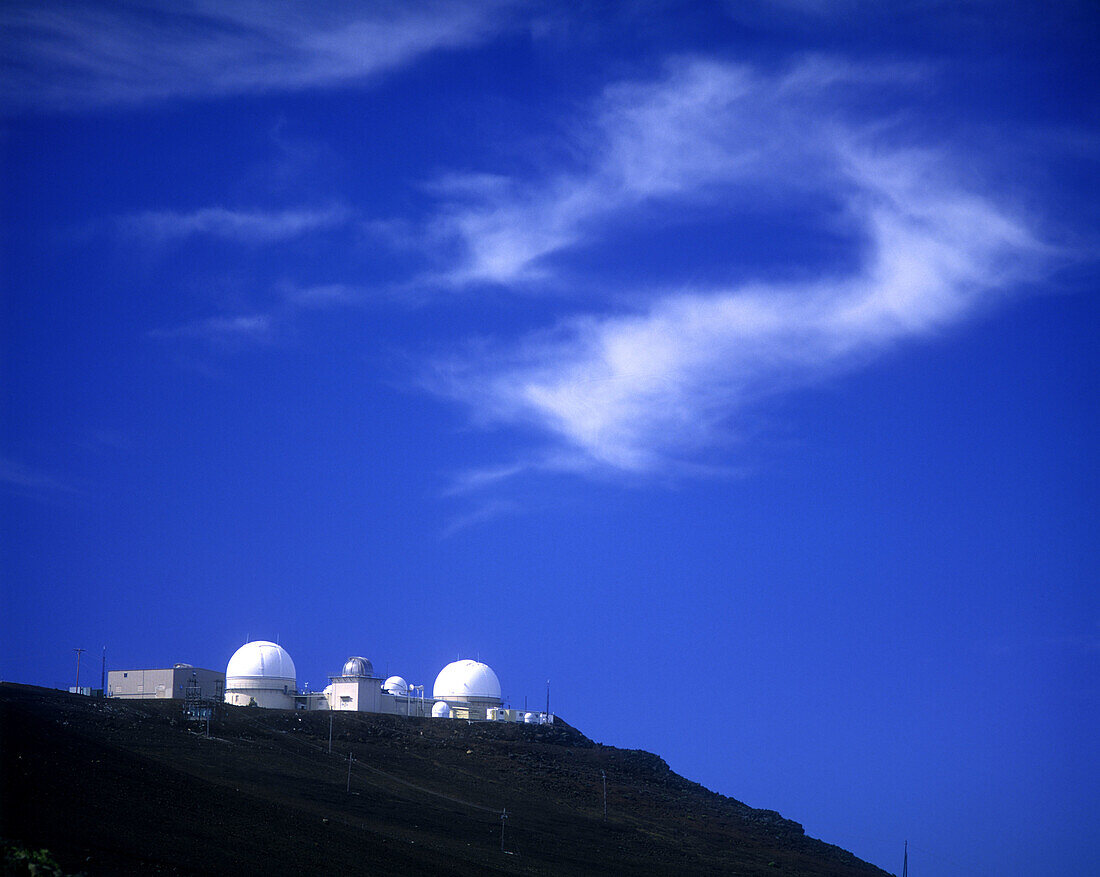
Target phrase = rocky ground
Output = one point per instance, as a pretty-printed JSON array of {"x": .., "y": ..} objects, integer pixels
[{"x": 131, "y": 787}]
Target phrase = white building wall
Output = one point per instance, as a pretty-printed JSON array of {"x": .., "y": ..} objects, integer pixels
[
  {"x": 358, "y": 694},
  {"x": 268, "y": 698}
]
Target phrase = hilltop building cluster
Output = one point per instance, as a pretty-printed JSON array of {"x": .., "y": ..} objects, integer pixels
[{"x": 262, "y": 674}]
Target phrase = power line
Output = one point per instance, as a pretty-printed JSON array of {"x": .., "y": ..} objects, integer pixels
[{"x": 79, "y": 652}]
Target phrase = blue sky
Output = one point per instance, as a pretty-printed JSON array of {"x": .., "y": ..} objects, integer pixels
[{"x": 733, "y": 366}]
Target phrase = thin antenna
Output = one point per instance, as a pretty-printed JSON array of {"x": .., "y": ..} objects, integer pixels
[
  {"x": 103, "y": 675},
  {"x": 79, "y": 652},
  {"x": 905, "y": 862},
  {"x": 547, "y": 700}
]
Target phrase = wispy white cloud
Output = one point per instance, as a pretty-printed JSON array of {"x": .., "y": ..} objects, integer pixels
[
  {"x": 325, "y": 295},
  {"x": 665, "y": 382},
  {"x": 483, "y": 513},
  {"x": 240, "y": 226},
  {"x": 710, "y": 131},
  {"x": 266, "y": 325},
  {"x": 72, "y": 55},
  {"x": 225, "y": 330},
  {"x": 34, "y": 483}
]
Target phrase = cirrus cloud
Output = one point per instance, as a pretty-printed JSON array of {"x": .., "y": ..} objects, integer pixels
[
  {"x": 663, "y": 381},
  {"x": 74, "y": 55}
]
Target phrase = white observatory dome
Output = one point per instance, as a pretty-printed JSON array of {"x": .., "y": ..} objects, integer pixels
[
  {"x": 261, "y": 673},
  {"x": 260, "y": 662},
  {"x": 441, "y": 710},
  {"x": 396, "y": 685},
  {"x": 357, "y": 667},
  {"x": 465, "y": 680}
]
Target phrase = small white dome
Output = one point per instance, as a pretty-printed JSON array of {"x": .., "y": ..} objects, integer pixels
[
  {"x": 357, "y": 667},
  {"x": 530, "y": 718},
  {"x": 396, "y": 685},
  {"x": 466, "y": 679},
  {"x": 441, "y": 710},
  {"x": 260, "y": 660}
]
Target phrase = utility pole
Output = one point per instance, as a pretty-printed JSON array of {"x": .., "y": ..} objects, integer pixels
[
  {"x": 603, "y": 776},
  {"x": 905, "y": 862},
  {"x": 351, "y": 758},
  {"x": 79, "y": 652},
  {"x": 548, "y": 700},
  {"x": 503, "y": 816},
  {"x": 103, "y": 676}
]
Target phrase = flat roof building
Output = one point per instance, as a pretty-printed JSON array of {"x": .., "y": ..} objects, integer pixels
[{"x": 175, "y": 683}]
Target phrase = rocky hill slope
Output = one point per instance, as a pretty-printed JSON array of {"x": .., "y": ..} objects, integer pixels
[{"x": 131, "y": 787}]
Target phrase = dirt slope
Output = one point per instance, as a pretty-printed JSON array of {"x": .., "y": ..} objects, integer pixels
[{"x": 128, "y": 787}]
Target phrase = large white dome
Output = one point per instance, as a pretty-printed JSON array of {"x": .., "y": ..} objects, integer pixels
[
  {"x": 466, "y": 679},
  {"x": 260, "y": 661}
]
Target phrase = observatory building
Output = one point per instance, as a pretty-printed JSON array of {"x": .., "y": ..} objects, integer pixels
[
  {"x": 357, "y": 688},
  {"x": 468, "y": 688},
  {"x": 263, "y": 674},
  {"x": 175, "y": 682}
]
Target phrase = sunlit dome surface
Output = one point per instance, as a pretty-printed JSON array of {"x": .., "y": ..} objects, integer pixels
[
  {"x": 467, "y": 679},
  {"x": 261, "y": 660},
  {"x": 358, "y": 667},
  {"x": 396, "y": 685}
]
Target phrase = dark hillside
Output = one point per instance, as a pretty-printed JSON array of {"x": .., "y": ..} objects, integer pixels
[{"x": 129, "y": 787}]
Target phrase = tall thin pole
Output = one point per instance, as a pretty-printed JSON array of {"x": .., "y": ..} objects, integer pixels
[
  {"x": 79, "y": 652},
  {"x": 103, "y": 675},
  {"x": 547, "y": 700},
  {"x": 905, "y": 862},
  {"x": 351, "y": 758}
]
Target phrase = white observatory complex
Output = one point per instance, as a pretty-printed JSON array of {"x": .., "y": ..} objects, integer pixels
[{"x": 261, "y": 673}]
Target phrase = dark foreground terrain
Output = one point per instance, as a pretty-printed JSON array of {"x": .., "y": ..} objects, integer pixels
[{"x": 130, "y": 787}]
